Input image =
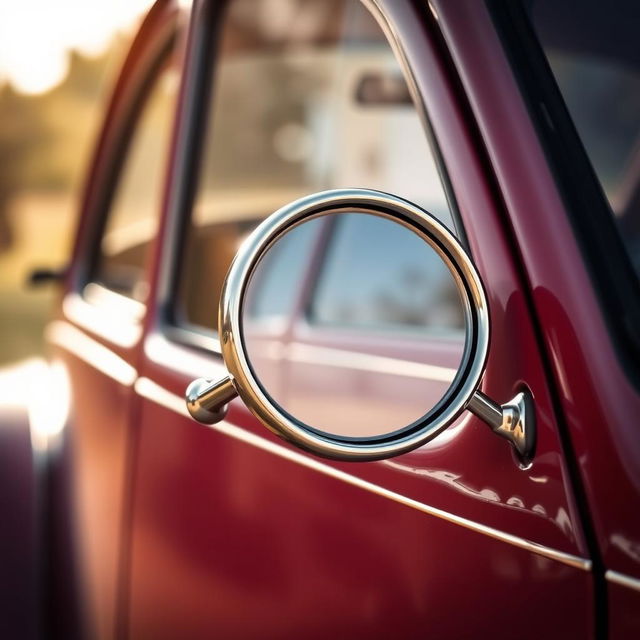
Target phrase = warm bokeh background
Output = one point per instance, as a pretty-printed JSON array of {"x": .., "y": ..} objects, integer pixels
[{"x": 57, "y": 63}]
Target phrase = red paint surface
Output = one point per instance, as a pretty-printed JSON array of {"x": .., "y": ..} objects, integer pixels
[
  {"x": 624, "y": 612},
  {"x": 232, "y": 541}
]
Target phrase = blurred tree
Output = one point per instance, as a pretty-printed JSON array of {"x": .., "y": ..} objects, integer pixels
[
  {"x": 21, "y": 131},
  {"x": 43, "y": 138}
]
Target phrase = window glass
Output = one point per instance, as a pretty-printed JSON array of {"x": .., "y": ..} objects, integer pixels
[
  {"x": 306, "y": 96},
  {"x": 134, "y": 209},
  {"x": 593, "y": 52},
  {"x": 396, "y": 283}
]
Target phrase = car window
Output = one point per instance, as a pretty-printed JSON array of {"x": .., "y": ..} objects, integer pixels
[
  {"x": 134, "y": 208},
  {"x": 306, "y": 95},
  {"x": 395, "y": 284},
  {"x": 596, "y": 63}
]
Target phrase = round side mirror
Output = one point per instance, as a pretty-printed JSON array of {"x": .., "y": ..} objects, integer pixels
[{"x": 354, "y": 325}]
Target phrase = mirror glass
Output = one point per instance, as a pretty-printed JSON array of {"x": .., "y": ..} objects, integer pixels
[{"x": 353, "y": 324}]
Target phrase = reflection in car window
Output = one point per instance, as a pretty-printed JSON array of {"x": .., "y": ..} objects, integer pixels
[
  {"x": 307, "y": 95},
  {"x": 596, "y": 63},
  {"x": 281, "y": 272},
  {"x": 135, "y": 204},
  {"x": 379, "y": 275}
]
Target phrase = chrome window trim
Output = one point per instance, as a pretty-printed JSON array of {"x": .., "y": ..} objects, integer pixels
[
  {"x": 95, "y": 210},
  {"x": 192, "y": 336},
  {"x": 161, "y": 350},
  {"x": 77, "y": 342},
  {"x": 98, "y": 295},
  {"x": 113, "y": 317}
]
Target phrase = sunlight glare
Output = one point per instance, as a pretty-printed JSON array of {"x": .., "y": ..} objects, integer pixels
[{"x": 36, "y": 36}]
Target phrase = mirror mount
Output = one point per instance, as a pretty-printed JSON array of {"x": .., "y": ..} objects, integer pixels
[
  {"x": 514, "y": 421},
  {"x": 208, "y": 403}
]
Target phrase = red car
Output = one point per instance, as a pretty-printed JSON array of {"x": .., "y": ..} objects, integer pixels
[{"x": 473, "y": 257}]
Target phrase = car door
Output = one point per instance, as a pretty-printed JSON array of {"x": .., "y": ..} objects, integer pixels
[
  {"x": 237, "y": 534},
  {"x": 95, "y": 338}
]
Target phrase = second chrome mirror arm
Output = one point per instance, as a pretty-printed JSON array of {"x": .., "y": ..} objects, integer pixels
[{"x": 514, "y": 421}]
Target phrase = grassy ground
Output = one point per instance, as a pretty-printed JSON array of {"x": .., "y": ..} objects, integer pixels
[{"x": 42, "y": 225}]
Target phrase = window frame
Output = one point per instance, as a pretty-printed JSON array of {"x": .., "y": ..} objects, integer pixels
[
  {"x": 207, "y": 21},
  {"x": 135, "y": 85},
  {"x": 614, "y": 280}
]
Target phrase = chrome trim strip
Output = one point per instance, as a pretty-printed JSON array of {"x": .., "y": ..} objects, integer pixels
[
  {"x": 623, "y": 580},
  {"x": 77, "y": 342},
  {"x": 166, "y": 353},
  {"x": 99, "y": 296},
  {"x": 122, "y": 329},
  {"x": 151, "y": 390},
  {"x": 192, "y": 336},
  {"x": 155, "y": 393}
]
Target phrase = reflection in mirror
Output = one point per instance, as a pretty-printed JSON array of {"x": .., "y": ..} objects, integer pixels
[{"x": 353, "y": 324}]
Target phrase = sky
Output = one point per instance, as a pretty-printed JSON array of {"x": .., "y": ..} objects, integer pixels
[{"x": 36, "y": 36}]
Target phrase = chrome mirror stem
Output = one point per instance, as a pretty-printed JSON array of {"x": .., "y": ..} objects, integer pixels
[
  {"x": 514, "y": 421},
  {"x": 208, "y": 400}
]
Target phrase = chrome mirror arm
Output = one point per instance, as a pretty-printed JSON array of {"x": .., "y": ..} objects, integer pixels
[
  {"x": 514, "y": 421},
  {"x": 208, "y": 402}
]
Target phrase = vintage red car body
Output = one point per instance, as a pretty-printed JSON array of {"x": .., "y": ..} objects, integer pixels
[{"x": 160, "y": 527}]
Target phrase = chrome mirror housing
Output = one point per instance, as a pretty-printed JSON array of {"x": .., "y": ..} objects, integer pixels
[{"x": 207, "y": 399}]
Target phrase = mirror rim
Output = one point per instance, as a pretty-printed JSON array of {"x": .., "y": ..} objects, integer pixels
[{"x": 472, "y": 295}]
